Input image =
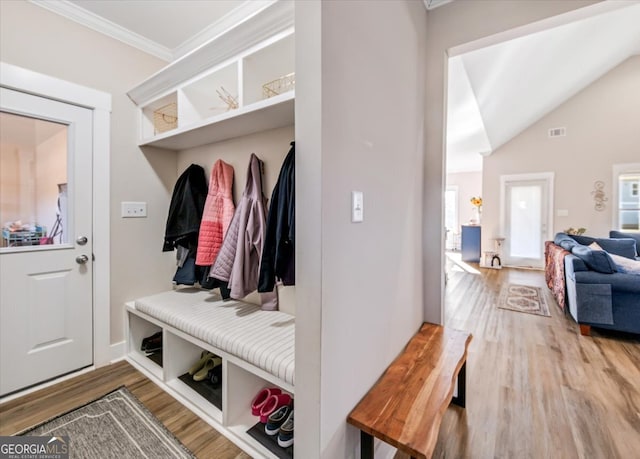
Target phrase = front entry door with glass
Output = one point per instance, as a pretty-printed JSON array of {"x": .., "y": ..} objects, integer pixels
[
  {"x": 46, "y": 307},
  {"x": 525, "y": 209}
]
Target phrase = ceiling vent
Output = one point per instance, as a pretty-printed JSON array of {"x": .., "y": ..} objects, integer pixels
[{"x": 558, "y": 132}]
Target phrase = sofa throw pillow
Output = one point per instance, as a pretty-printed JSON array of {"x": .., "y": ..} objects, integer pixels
[
  {"x": 624, "y": 264},
  {"x": 584, "y": 240},
  {"x": 597, "y": 260},
  {"x": 623, "y": 247},
  {"x": 621, "y": 235}
]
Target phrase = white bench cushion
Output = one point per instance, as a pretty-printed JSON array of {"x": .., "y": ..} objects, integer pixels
[{"x": 265, "y": 339}]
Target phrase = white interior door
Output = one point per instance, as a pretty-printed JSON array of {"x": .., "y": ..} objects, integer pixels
[
  {"x": 526, "y": 221},
  {"x": 46, "y": 310}
]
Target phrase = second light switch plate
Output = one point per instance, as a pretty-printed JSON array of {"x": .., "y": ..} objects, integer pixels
[{"x": 357, "y": 206}]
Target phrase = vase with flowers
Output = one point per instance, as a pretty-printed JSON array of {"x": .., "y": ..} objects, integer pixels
[{"x": 476, "y": 202}]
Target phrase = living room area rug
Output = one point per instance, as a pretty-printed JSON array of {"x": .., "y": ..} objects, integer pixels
[
  {"x": 523, "y": 298},
  {"x": 116, "y": 425}
]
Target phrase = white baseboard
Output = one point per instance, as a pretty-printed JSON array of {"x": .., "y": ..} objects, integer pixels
[
  {"x": 44, "y": 385},
  {"x": 117, "y": 351}
]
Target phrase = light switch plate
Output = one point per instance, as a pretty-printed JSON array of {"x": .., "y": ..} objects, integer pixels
[
  {"x": 133, "y": 209},
  {"x": 562, "y": 213},
  {"x": 357, "y": 206}
]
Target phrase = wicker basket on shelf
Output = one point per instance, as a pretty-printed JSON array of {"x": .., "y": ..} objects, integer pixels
[
  {"x": 165, "y": 118},
  {"x": 279, "y": 86}
]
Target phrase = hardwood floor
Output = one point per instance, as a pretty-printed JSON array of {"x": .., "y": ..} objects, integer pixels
[
  {"x": 195, "y": 434},
  {"x": 536, "y": 388}
]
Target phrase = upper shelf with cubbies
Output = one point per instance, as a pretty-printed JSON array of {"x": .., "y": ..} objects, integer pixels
[{"x": 251, "y": 92}]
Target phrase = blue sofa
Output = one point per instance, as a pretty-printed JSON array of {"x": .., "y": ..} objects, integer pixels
[{"x": 597, "y": 293}]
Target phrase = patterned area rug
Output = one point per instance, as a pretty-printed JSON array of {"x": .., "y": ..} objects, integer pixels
[
  {"x": 114, "y": 426},
  {"x": 523, "y": 298}
]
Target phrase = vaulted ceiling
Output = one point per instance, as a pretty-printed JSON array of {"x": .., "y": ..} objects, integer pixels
[{"x": 494, "y": 93}]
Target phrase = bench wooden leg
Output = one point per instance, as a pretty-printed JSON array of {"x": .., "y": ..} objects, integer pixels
[
  {"x": 366, "y": 445},
  {"x": 460, "y": 400},
  {"x": 585, "y": 330}
]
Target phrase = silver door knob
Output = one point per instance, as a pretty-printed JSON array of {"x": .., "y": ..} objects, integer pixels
[
  {"x": 82, "y": 259},
  {"x": 82, "y": 240}
]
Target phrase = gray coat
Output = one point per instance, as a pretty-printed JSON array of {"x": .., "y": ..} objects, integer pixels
[{"x": 238, "y": 261}]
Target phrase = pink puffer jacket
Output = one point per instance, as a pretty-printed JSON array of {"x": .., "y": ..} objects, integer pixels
[{"x": 218, "y": 212}]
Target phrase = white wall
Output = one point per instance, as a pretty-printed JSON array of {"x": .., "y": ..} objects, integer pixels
[
  {"x": 370, "y": 117},
  {"x": 29, "y": 176},
  {"x": 602, "y": 130},
  {"x": 50, "y": 170},
  {"x": 9, "y": 183},
  {"x": 469, "y": 184},
  {"x": 39, "y": 40},
  {"x": 270, "y": 146},
  {"x": 450, "y": 25}
]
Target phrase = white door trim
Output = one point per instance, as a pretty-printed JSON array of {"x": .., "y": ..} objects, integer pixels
[
  {"x": 548, "y": 177},
  {"x": 99, "y": 102}
]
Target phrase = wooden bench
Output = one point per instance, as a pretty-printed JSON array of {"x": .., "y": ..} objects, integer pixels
[{"x": 405, "y": 406}]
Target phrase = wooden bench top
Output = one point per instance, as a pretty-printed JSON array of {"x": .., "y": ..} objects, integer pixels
[{"x": 405, "y": 406}]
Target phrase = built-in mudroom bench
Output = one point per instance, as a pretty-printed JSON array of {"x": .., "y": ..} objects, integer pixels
[
  {"x": 256, "y": 347},
  {"x": 230, "y": 98}
]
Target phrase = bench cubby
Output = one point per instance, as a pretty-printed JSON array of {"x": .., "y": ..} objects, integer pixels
[
  {"x": 138, "y": 330},
  {"x": 238, "y": 416},
  {"x": 227, "y": 407},
  {"x": 183, "y": 354}
]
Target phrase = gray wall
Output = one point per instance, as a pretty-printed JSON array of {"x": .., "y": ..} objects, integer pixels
[{"x": 367, "y": 103}]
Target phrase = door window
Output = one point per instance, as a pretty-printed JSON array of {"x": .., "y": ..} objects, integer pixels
[
  {"x": 525, "y": 221},
  {"x": 525, "y": 217},
  {"x": 33, "y": 181},
  {"x": 629, "y": 201}
]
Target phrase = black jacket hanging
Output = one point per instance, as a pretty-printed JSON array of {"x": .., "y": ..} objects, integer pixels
[
  {"x": 185, "y": 210},
  {"x": 278, "y": 253}
]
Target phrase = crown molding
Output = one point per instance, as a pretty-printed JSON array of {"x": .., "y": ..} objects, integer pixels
[
  {"x": 273, "y": 19},
  {"x": 88, "y": 19},
  {"x": 246, "y": 10}
]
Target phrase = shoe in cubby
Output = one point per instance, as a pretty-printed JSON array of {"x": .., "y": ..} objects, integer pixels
[{"x": 285, "y": 435}]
